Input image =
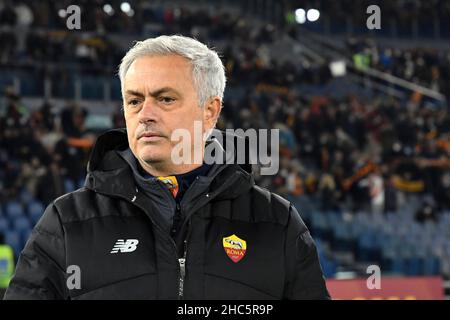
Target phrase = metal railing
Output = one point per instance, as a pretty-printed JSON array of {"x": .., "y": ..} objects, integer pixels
[{"x": 321, "y": 45}]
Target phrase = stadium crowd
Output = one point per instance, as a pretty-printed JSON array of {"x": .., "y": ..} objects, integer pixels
[
  {"x": 326, "y": 146},
  {"x": 403, "y": 11},
  {"x": 327, "y": 141},
  {"x": 428, "y": 67}
]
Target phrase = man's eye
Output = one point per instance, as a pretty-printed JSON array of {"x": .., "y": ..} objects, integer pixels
[
  {"x": 133, "y": 102},
  {"x": 166, "y": 100}
]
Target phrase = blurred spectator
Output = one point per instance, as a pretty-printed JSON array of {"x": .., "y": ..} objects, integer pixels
[
  {"x": 8, "y": 15},
  {"x": 427, "y": 212},
  {"x": 377, "y": 192},
  {"x": 72, "y": 121},
  {"x": 327, "y": 189}
]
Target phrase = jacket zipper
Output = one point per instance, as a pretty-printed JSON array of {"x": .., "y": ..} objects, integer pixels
[
  {"x": 182, "y": 263},
  {"x": 181, "y": 260}
]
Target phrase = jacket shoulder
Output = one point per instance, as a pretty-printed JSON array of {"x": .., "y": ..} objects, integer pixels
[
  {"x": 269, "y": 206},
  {"x": 83, "y": 204}
]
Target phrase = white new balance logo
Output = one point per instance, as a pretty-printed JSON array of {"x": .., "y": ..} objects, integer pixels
[{"x": 128, "y": 245}]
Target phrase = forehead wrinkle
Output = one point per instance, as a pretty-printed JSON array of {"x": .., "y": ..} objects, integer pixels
[{"x": 145, "y": 79}]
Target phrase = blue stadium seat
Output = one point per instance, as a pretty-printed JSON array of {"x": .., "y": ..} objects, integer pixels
[
  {"x": 329, "y": 266},
  {"x": 367, "y": 247},
  {"x": 303, "y": 206},
  {"x": 115, "y": 90},
  {"x": 23, "y": 227},
  {"x": 80, "y": 183},
  {"x": 398, "y": 266},
  {"x": 319, "y": 224},
  {"x": 6, "y": 80},
  {"x": 31, "y": 84},
  {"x": 414, "y": 266},
  {"x": 14, "y": 209},
  {"x": 431, "y": 266},
  {"x": 35, "y": 211},
  {"x": 356, "y": 228},
  {"x": 381, "y": 239},
  {"x": 69, "y": 185},
  {"x": 20, "y": 224},
  {"x": 4, "y": 224},
  {"x": 13, "y": 239},
  {"x": 25, "y": 235},
  {"x": 343, "y": 236},
  {"x": 25, "y": 196},
  {"x": 334, "y": 218}
]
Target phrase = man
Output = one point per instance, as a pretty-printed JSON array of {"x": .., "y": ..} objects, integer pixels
[{"x": 144, "y": 227}]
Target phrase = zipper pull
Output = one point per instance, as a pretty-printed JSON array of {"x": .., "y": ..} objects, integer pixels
[{"x": 182, "y": 262}]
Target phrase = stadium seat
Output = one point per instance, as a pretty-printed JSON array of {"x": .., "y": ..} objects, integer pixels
[
  {"x": 92, "y": 87},
  {"x": 329, "y": 266},
  {"x": 35, "y": 211},
  {"x": 13, "y": 239},
  {"x": 334, "y": 218},
  {"x": 14, "y": 209},
  {"x": 319, "y": 224},
  {"x": 303, "y": 206},
  {"x": 366, "y": 247},
  {"x": 21, "y": 224},
  {"x": 23, "y": 227},
  {"x": 397, "y": 266},
  {"x": 343, "y": 236},
  {"x": 4, "y": 224},
  {"x": 69, "y": 185},
  {"x": 80, "y": 183},
  {"x": 431, "y": 266},
  {"x": 6, "y": 80},
  {"x": 414, "y": 266},
  {"x": 25, "y": 196},
  {"x": 25, "y": 235}
]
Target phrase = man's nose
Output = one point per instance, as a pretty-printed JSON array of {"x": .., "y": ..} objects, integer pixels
[{"x": 148, "y": 111}]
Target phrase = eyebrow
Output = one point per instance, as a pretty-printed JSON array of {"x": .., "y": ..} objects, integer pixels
[{"x": 153, "y": 94}]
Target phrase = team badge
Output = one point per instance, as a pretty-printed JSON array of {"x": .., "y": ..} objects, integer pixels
[{"x": 235, "y": 247}]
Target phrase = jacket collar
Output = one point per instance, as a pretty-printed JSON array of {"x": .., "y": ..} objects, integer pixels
[{"x": 109, "y": 173}]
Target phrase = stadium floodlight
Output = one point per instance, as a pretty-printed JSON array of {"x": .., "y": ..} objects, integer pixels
[
  {"x": 130, "y": 13},
  {"x": 125, "y": 7},
  {"x": 108, "y": 9},
  {"x": 300, "y": 16},
  {"x": 313, "y": 15},
  {"x": 338, "y": 68}
]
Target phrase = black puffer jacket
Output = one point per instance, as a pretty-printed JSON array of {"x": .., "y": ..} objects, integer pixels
[{"x": 236, "y": 241}]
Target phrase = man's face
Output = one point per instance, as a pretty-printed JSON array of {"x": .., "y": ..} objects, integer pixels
[{"x": 159, "y": 97}]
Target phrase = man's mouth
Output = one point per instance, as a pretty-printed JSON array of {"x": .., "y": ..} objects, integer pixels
[{"x": 149, "y": 136}]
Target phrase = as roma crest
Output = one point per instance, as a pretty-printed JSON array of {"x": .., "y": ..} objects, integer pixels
[{"x": 235, "y": 247}]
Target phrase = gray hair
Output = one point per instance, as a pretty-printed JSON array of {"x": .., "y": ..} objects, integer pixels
[{"x": 207, "y": 69}]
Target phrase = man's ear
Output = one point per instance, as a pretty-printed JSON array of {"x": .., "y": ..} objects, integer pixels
[{"x": 211, "y": 112}]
